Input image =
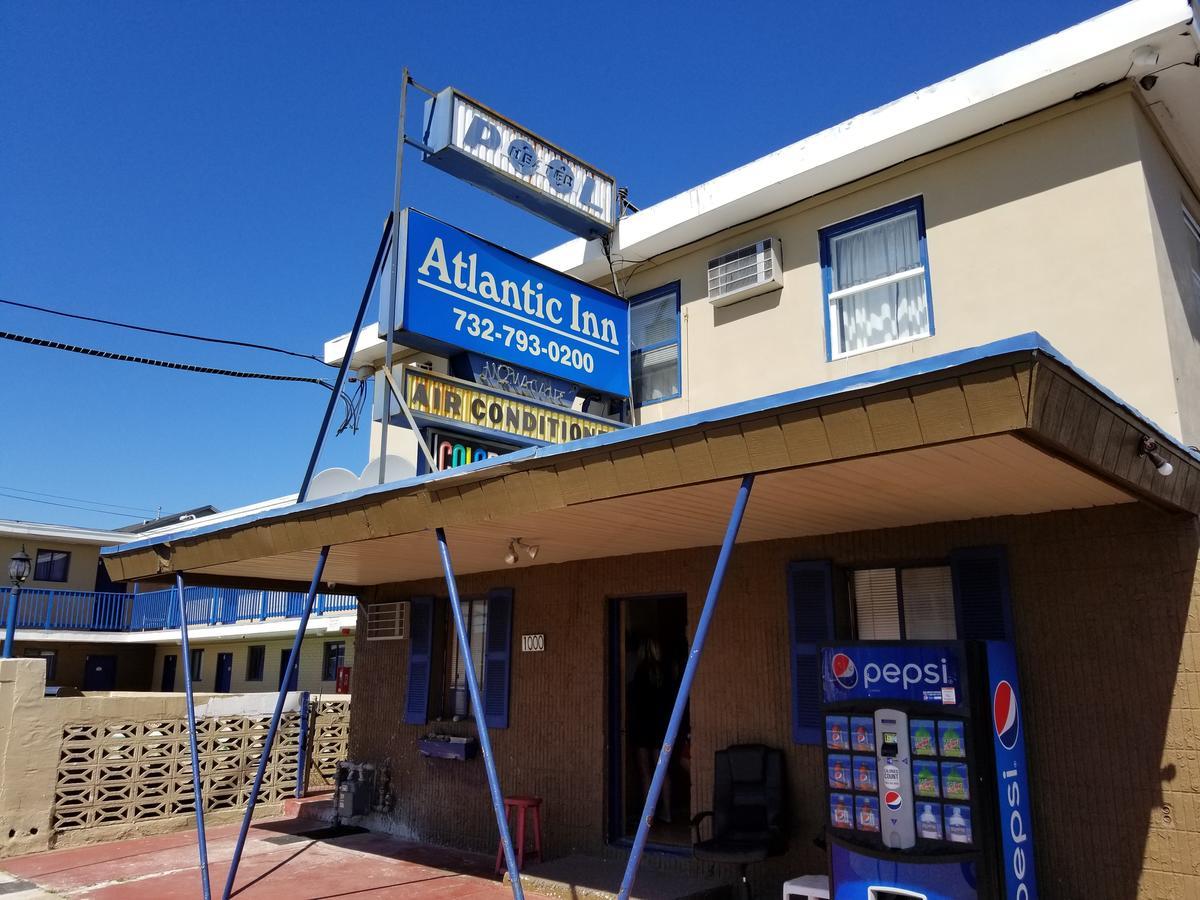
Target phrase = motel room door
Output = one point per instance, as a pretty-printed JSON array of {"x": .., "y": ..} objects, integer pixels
[
  {"x": 647, "y": 652},
  {"x": 224, "y": 672},
  {"x": 100, "y": 672},
  {"x": 170, "y": 661},
  {"x": 284, "y": 655}
]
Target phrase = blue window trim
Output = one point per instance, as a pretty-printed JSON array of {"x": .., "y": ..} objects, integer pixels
[
  {"x": 645, "y": 297},
  {"x": 825, "y": 235}
]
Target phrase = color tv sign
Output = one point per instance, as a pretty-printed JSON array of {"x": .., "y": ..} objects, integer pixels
[
  {"x": 476, "y": 144},
  {"x": 458, "y": 292}
]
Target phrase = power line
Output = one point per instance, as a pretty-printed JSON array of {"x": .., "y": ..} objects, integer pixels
[
  {"x": 9, "y": 487},
  {"x": 165, "y": 364},
  {"x": 72, "y": 506},
  {"x": 179, "y": 334}
]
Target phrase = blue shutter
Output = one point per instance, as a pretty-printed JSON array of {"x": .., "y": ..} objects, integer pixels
[
  {"x": 497, "y": 657},
  {"x": 810, "y": 621},
  {"x": 420, "y": 652},
  {"x": 981, "y": 598}
]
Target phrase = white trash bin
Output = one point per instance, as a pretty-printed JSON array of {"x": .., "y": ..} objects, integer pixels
[{"x": 807, "y": 887}]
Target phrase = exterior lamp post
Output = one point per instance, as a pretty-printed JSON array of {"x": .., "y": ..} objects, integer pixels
[{"x": 19, "y": 569}]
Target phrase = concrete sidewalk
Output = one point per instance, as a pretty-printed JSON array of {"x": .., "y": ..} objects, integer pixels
[{"x": 277, "y": 862}]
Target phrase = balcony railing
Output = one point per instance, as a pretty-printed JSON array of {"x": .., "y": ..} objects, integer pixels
[{"x": 158, "y": 610}]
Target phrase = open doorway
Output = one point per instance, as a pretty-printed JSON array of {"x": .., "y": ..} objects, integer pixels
[{"x": 648, "y": 650}]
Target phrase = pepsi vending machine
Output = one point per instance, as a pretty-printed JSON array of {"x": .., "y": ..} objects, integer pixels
[{"x": 925, "y": 771}]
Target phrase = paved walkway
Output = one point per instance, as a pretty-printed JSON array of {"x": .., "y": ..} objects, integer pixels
[{"x": 277, "y": 863}]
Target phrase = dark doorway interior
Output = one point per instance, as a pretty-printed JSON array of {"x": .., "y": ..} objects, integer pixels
[
  {"x": 170, "y": 661},
  {"x": 224, "y": 672},
  {"x": 284, "y": 655},
  {"x": 648, "y": 647},
  {"x": 100, "y": 673}
]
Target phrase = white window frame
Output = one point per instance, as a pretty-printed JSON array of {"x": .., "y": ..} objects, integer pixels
[
  {"x": 387, "y": 621},
  {"x": 833, "y": 324}
]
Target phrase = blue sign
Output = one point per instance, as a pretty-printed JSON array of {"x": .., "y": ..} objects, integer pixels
[
  {"x": 457, "y": 291},
  {"x": 1012, "y": 783},
  {"x": 920, "y": 673}
]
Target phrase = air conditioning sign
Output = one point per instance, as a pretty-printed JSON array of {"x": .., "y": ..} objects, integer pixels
[
  {"x": 458, "y": 292},
  {"x": 471, "y": 142}
]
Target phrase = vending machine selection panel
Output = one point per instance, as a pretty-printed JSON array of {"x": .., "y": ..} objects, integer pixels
[{"x": 932, "y": 803}]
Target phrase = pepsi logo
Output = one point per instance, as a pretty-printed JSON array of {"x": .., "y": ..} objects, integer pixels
[
  {"x": 1004, "y": 715},
  {"x": 845, "y": 673},
  {"x": 893, "y": 800}
]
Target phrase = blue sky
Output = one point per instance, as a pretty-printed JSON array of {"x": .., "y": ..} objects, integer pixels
[{"x": 225, "y": 169}]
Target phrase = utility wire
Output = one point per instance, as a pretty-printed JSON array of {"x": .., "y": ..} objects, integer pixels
[
  {"x": 141, "y": 509},
  {"x": 179, "y": 334},
  {"x": 353, "y": 406},
  {"x": 72, "y": 506},
  {"x": 165, "y": 364}
]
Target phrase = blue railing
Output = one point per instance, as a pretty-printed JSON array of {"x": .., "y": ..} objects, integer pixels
[{"x": 157, "y": 610}]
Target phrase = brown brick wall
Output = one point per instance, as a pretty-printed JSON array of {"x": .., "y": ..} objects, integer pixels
[{"x": 1108, "y": 632}]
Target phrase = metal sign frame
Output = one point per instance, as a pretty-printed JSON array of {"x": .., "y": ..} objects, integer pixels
[{"x": 513, "y": 172}]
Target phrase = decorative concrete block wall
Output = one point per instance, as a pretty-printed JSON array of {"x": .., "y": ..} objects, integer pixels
[{"x": 85, "y": 769}]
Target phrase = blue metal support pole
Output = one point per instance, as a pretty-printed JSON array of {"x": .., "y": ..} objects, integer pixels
[
  {"x": 485, "y": 743},
  {"x": 10, "y": 625},
  {"x": 685, "y": 687},
  {"x": 197, "y": 793},
  {"x": 302, "y": 752},
  {"x": 293, "y": 661},
  {"x": 341, "y": 376}
]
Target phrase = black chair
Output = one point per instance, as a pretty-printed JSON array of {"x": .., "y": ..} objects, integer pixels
[{"x": 749, "y": 809}]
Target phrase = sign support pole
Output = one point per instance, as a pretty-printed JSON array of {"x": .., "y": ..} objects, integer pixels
[
  {"x": 197, "y": 791},
  {"x": 389, "y": 352},
  {"x": 485, "y": 743},
  {"x": 412, "y": 423},
  {"x": 685, "y": 686},
  {"x": 388, "y": 227}
]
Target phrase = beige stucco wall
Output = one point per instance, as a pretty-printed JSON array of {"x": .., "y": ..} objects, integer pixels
[
  {"x": 1040, "y": 225},
  {"x": 1167, "y": 194},
  {"x": 311, "y": 657},
  {"x": 81, "y": 571}
]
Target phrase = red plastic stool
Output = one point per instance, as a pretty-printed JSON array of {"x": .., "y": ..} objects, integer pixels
[{"x": 520, "y": 804}]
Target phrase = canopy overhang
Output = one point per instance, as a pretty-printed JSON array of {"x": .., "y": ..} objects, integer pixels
[{"x": 1010, "y": 428}]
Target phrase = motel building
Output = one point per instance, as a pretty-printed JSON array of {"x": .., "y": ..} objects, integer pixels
[
  {"x": 97, "y": 635},
  {"x": 956, "y": 342}
]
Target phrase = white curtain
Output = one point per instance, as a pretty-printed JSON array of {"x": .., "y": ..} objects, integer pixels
[{"x": 889, "y": 312}]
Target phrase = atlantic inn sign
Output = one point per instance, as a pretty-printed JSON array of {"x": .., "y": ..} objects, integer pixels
[{"x": 459, "y": 292}]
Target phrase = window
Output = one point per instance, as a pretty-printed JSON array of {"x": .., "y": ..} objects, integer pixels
[
  {"x": 335, "y": 656},
  {"x": 1193, "y": 252},
  {"x": 256, "y": 658},
  {"x": 197, "y": 664},
  {"x": 51, "y": 658},
  {"x": 876, "y": 277},
  {"x": 914, "y": 603},
  {"x": 654, "y": 345},
  {"x": 387, "y": 621},
  {"x": 456, "y": 702},
  {"x": 51, "y": 565},
  {"x": 436, "y": 686}
]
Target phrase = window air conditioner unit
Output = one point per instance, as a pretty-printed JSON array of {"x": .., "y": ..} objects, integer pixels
[{"x": 745, "y": 272}]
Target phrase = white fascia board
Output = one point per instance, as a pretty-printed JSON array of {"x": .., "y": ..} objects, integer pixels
[
  {"x": 215, "y": 518},
  {"x": 100, "y": 538},
  {"x": 196, "y": 633},
  {"x": 1000, "y": 90}
]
